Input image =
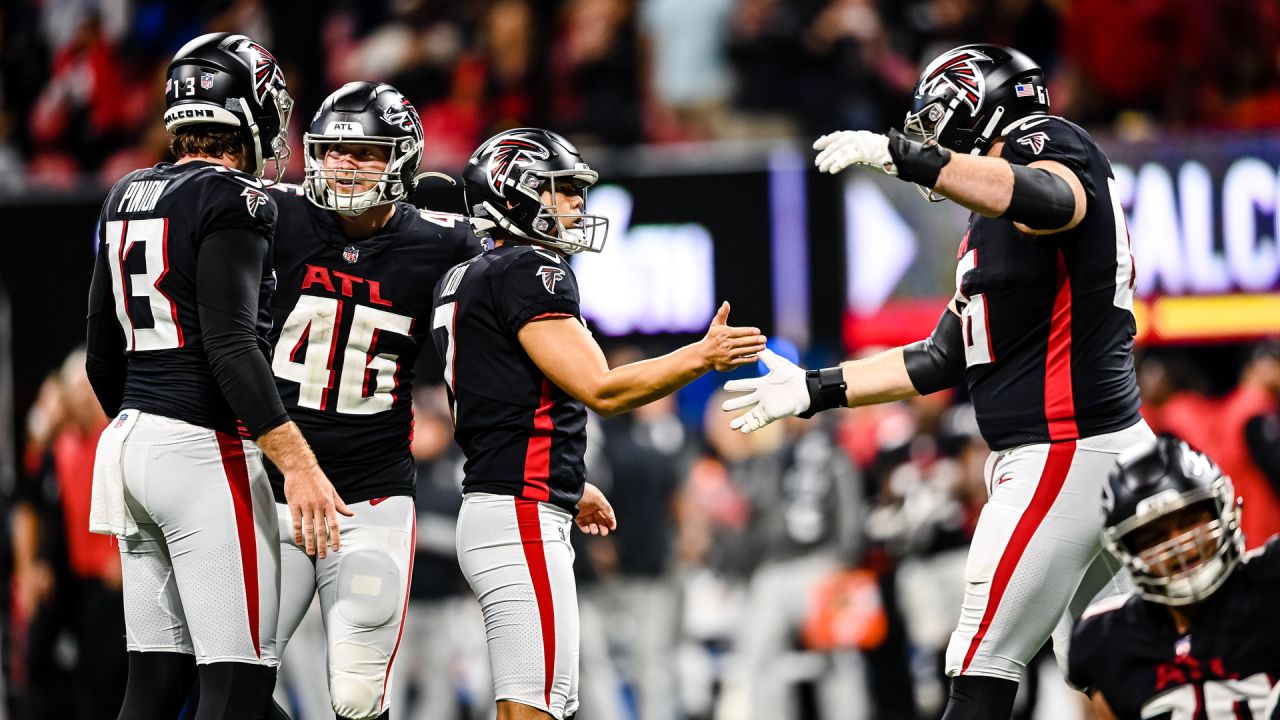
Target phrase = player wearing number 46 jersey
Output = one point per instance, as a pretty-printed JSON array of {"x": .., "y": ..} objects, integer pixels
[
  {"x": 355, "y": 265},
  {"x": 522, "y": 369},
  {"x": 1040, "y": 329},
  {"x": 177, "y": 352},
  {"x": 1201, "y": 638}
]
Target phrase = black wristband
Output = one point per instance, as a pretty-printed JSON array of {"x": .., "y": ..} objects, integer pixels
[
  {"x": 917, "y": 162},
  {"x": 826, "y": 390}
]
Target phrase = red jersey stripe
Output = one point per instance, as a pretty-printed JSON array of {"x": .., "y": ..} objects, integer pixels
[
  {"x": 1059, "y": 400},
  {"x": 537, "y": 455},
  {"x": 1052, "y": 477},
  {"x": 233, "y": 464}
]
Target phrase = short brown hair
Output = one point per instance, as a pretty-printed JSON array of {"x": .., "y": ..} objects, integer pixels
[{"x": 208, "y": 141}]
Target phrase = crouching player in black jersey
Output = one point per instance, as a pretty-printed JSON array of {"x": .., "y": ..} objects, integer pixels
[
  {"x": 1201, "y": 637},
  {"x": 355, "y": 266},
  {"x": 522, "y": 369},
  {"x": 177, "y": 351},
  {"x": 1041, "y": 331}
]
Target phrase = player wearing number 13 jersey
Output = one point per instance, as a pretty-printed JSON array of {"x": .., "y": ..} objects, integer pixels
[
  {"x": 177, "y": 352},
  {"x": 1040, "y": 329},
  {"x": 355, "y": 265}
]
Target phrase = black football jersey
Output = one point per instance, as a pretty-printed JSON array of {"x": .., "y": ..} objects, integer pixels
[
  {"x": 150, "y": 232},
  {"x": 1048, "y": 320},
  {"x": 350, "y": 318},
  {"x": 1224, "y": 667},
  {"x": 522, "y": 435}
]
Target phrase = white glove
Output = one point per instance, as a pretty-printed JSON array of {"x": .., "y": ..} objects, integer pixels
[
  {"x": 782, "y": 392},
  {"x": 850, "y": 147}
]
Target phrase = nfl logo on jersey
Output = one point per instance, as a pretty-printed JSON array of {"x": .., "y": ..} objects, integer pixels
[
  {"x": 351, "y": 253},
  {"x": 1182, "y": 648}
]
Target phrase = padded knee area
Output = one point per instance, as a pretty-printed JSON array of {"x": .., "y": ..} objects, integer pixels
[
  {"x": 356, "y": 687},
  {"x": 368, "y": 589}
]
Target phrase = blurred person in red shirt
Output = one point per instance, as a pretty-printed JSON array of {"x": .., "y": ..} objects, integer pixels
[
  {"x": 1224, "y": 439},
  {"x": 67, "y": 580}
]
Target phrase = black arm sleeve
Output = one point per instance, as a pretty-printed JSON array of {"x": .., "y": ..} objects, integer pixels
[
  {"x": 104, "y": 341},
  {"x": 1262, "y": 437},
  {"x": 228, "y": 279},
  {"x": 1041, "y": 200},
  {"x": 937, "y": 362}
]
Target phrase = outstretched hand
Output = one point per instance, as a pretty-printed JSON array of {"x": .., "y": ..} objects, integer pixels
[
  {"x": 782, "y": 392},
  {"x": 839, "y": 150},
  {"x": 725, "y": 347}
]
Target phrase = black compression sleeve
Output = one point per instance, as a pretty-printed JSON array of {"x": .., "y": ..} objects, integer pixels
[
  {"x": 104, "y": 341},
  {"x": 937, "y": 362},
  {"x": 228, "y": 276},
  {"x": 1041, "y": 200}
]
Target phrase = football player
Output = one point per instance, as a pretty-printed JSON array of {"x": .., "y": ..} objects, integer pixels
[
  {"x": 522, "y": 369},
  {"x": 355, "y": 265},
  {"x": 1200, "y": 638},
  {"x": 177, "y": 353},
  {"x": 1040, "y": 328}
]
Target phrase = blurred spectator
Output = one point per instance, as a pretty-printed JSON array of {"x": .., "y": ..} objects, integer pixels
[
  {"x": 862, "y": 81},
  {"x": 806, "y": 525},
  {"x": 1174, "y": 398},
  {"x": 67, "y": 580},
  {"x": 1225, "y": 439},
  {"x": 688, "y": 80},
  {"x": 595, "y": 81},
  {"x": 648, "y": 452}
]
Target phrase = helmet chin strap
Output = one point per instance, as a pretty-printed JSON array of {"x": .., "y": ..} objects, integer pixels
[{"x": 259, "y": 163}]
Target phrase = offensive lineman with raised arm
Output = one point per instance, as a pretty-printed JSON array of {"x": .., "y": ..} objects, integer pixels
[
  {"x": 177, "y": 352},
  {"x": 355, "y": 266},
  {"x": 522, "y": 369},
  {"x": 1201, "y": 637},
  {"x": 1041, "y": 329}
]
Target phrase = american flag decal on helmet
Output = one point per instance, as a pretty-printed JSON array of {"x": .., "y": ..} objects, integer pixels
[
  {"x": 959, "y": 70},
  {"x": 508, "y": 153}
]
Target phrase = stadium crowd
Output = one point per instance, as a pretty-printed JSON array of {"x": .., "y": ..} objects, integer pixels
[{"x": 78, "y": 100}]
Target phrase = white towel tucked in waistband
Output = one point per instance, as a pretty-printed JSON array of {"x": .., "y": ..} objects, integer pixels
[{"x": 108, "y": 512}]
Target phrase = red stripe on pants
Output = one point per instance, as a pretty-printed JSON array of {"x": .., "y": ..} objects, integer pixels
[
  {"x": 1059, "y": 398},
  {"x": 234, "y": 465},
  {"x": 1056, "y": 467},
  {"x": 530, "y": 524},
  {"x": 404, "y": 611},
  {"x": 537, "y": 455}
]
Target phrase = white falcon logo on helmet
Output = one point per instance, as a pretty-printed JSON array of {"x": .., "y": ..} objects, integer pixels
[
  {"x": 957, "y": 69},
  {"x": 508, "y": 153}
]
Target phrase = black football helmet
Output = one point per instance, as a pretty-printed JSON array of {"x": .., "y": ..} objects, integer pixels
[
  {"x": 1154, "y": 482},
  {"x": 364, "y": 113},
  {"x": 503, "y": 184},
  {"x": 968, "y": 96},
  {"x": 228, "y": 79}
]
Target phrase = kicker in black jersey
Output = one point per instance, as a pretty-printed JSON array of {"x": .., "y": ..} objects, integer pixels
[
  {"x": 522, "y": 435},
  {"x": 1128, "y": 649},
  {"x": 1048, "y": 320},
  {"x": 350, "y": 319},
  {"x": 151, "y": 228}
]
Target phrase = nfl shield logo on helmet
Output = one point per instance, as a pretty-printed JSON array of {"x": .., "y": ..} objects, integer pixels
[
  {"x": 351, "y": 253},
  {"x": 206, "y": 80}
]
